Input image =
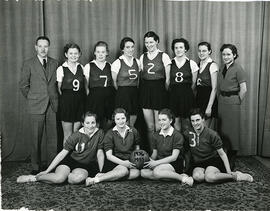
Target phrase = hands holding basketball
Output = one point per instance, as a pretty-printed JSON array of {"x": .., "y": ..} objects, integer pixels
[
  {"x": 128, "y": 164},
  {"x": 151, "y": 164}
]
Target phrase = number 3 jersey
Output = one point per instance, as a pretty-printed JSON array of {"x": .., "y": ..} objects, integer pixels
[{"x": 203, "y": 146}]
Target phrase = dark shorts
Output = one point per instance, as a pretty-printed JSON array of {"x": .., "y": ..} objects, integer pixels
[
  {"x": 92, "y": 167},
  {"x": 216, "y": 162},
  {"x": 127, "y": 97},
  {"x": 178, "y": 166},
  {"x": 101, "y": 101},
  {"x": 71, "y": 105},
  {"x": 153, "y": 94},
  {"x": 181, "y": 100}
]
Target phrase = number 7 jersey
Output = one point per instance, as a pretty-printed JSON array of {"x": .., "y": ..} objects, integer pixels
[{"x": 98, "y": 77}]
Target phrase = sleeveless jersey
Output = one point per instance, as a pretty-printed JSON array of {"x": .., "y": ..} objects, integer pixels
[
  {"x": 180, "y": 75},
  {"x": 128, "y": 76},
  {"x": 98, "y": 77},
  {"x": 71, "y": 81},
  {"x": 204, "y": 77},
  {"x": 153, "y": 69}
]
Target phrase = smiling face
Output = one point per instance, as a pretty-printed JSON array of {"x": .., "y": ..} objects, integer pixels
[
  {"x": 164, "y": 121},
  {"x": 179, "y": 49},
  {"x": 228, "y": 56},
  {"x": 129, "y": 49},
  {"x": 89, "y": 124},
  {"x": 203, "y": 52},
  {"x": 120, "y": 120},
  {"x": 150, "y": 44},
  {"x": 101, "y": 53},
  {"x": 42, "y": 48},
  {"x": 72, "y": 55},
  {"x": 197, "y": 122}
]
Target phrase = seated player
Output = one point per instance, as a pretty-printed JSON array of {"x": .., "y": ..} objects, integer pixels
[
  {"x": 166, "y": 161},
  {"x": 209, "y": 161},
  {"x": 82, "y": 156},
  {"x": 119, "y": 143}
]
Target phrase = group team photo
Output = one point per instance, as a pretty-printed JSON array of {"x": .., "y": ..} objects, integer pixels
[{"x": 155, "y": 105}]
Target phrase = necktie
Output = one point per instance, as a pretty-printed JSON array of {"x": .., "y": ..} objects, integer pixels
[
  {"x": 44, "y": 63},
  {"x": 224, "y": 71}
]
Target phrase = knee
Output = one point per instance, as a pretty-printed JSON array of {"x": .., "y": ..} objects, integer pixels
[
  {"x": 59, "y": 179},
  {"x": 75, "y": 178},
  {"x": 122, "y": 172},
  {"x": 211, "y": 178},
  {"x": 199, "y": 177},
  {"x": 136, "y": 174},
  {"x": 157, "y": 174},
  {"x": 144, "y": 173}
]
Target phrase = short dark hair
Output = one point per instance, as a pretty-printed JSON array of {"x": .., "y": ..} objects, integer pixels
[
  {"x": 168, "y": 113},
  {"x": 43, "y": 38},
  {"x": 120, "y": 111},
  {"x": 101, "y": 43},
  {"x": 186, "y": 44},
  {"x": 232, "y": 47},
  {"x": 152, "y": 34},
  {"x": 87, "y": 114},
  {"x": 71, "y": 45},
  {"x": 207, "y": 44},
  {"x": 195, "y": 111},
  {"x": 124, "y": 41}
]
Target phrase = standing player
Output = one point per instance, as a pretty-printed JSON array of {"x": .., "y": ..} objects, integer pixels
[
  {"x": 166, "y": 161},
  {"x": 155, "y": 66},
  {"x": 183, "y": 76},
  {"x": 100, "y": 88},
  {"x": 207, "y": 85},
  {"x": 232, "y": 88},
  {"x": 71, "y": 87},
  {"x": 81, "y": 157},
  {"x": 119, "y": 142},
  {"x": 209, "y": 161},
  {"x": 125, "y": 74}
]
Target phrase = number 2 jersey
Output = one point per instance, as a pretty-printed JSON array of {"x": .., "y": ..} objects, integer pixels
[{"x": 203, "y": 146}]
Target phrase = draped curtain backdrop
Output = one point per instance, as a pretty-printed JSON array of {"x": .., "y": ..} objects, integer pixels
[{"x": 246, "y": 24}]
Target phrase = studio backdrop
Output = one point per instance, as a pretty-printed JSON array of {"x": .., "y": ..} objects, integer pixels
[{"x": 245, "y": 24}]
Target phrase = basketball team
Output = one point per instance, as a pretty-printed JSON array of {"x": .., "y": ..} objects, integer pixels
[{"x": 181, "y": 101}]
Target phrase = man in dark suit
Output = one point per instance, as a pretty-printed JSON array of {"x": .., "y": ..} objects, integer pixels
[{"x": 38, "y": 86}]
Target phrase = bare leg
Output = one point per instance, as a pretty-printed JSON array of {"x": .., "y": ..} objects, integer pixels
[
  {"x": 148, "y": 174},
  {"x": 117, "y": 173},
  {"x": 133, "y": 174},
  {"x": 157, "y": 126},
  {"x": 150, "y": 122},
  {"x": 198, "y": 174},
  {"x": 77, "y": 176},
  {"x": 132, "y": 120},
  {"x": 59, "y": 176},
  {"x": 76, "y": 126},
  {"x": 213, "y": 175},
  {"x": 67, "y": 129},
  {"x": 177, "y": 124}
]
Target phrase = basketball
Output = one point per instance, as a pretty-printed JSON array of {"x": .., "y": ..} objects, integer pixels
[{"x": 139, "y": 157}]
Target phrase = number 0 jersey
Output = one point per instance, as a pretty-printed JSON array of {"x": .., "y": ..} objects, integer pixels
[{"x": 98, "y": 77}]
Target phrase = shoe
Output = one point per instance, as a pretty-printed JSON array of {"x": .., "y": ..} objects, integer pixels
[
  {"x": 187, "y": 180},
  {"x": 26, "y": 178},
  {"x": 89, "y": 181},
  {"x": 243, "y": 177}
]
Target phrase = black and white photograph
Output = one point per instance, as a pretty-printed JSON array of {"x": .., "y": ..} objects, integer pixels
[{"x": 134, "y": 105}]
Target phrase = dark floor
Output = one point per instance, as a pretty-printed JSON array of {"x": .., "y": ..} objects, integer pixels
[{"x": 140, "y": 194}]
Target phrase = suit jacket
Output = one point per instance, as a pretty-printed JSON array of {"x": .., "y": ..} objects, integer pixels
[{"x": 37, "y": 88}]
